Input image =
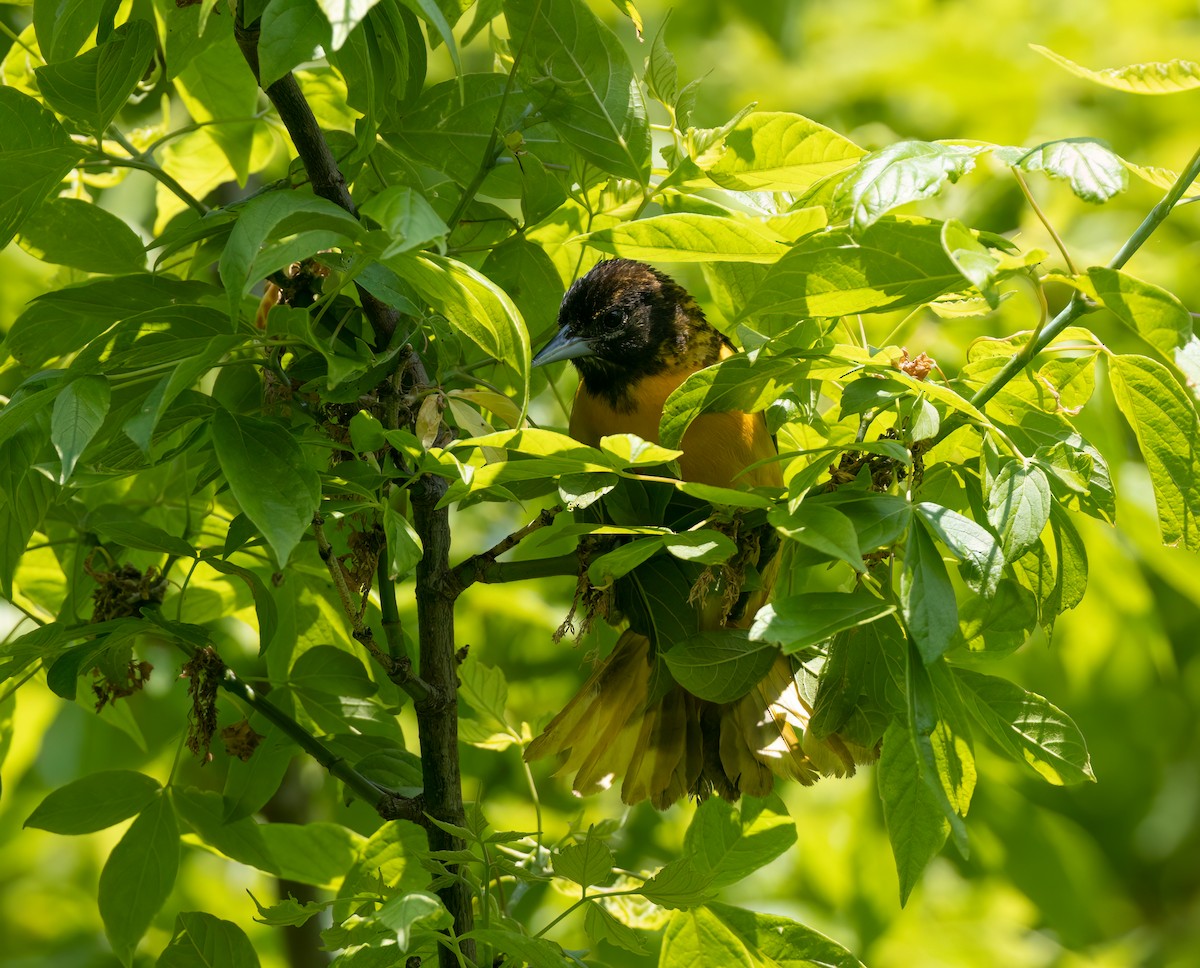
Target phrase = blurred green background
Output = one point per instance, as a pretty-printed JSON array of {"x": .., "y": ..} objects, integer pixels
[{"x": 1104, "y": 875}]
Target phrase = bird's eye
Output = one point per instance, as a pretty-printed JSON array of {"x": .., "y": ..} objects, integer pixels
[{"x": 612, "y": 317}]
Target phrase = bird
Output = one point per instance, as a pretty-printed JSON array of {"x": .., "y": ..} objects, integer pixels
[{"x": 634, "y": 335}]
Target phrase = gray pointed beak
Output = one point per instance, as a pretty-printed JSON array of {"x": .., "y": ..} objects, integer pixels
[{"x": 565, "y": 346}]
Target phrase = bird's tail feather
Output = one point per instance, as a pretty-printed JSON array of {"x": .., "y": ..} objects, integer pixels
[{"x": 679, "y": 744}]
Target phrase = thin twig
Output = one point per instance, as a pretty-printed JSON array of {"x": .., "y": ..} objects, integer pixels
[
  {"x": 473, "y": 568},
  {"x": 1037, "y": 210},
  {"x": 399, "y": 670},
  {"x": 1078, "y": 306}
]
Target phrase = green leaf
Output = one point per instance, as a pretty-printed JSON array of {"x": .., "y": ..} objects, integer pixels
[
  {"x": 94, "y": 802},
  {"x": 404, "y": 911},
  {"x": 678, "y": 885},
  {"x": 926, "y": 595},
  {"x": 475, "y": 307},
  {"x": 1019, "y": 507},
  {"x": 291, "y": 32},
  {"x": 822, "y": 528},
  {"x": 75, "y": 233},
  {"x": 276, "y": 229},
  {"x": 1000, "y": 624},
  {"x": 403, "y": 544},
  {"x": 432, "y": 12},
  {"x": 738, "y": 383},
  {"x": 264, "y": 603},
  {"x": 134, "y": 533},
  {"x": 719, "y": 665},
  {"x": 688, "y": 237},
  {"x": 907, "y": 171},
  {"x": 1160, "y": 77},
  {"x": 720, "y": 936},
  {"x": 1093, "y": 170},
  {"x": 982, "y": 563},
  {"x": 534, "y": 952},
  {"x": 780, "y": 152},
  {"x": 288, "y": 913},
  {"x": 586, "y": 864},
  {"x": 582, "y": 81},
  {"x": 268, "y": 476},
  {"x": 727, "y": 843},
  {"x": 662, "y": 76},
  {"x": 79, "y": 411},
  {"x": 705, "y": 547},
  {"x": 893, "y": 263},
  {"x": 64, "y": 321},
  {"x": 916, "y": 826},
  {"x": 1156, "y": 314},
  {"x": 141, "y": 425},
  {"x": 407, "y": 218},
  {"x": 622, "y": 560},
  {"x": 804, "y": 620},
  {"x": 632, "y": 451},
  {"x": 880, "y": 520},
  {"x": 326, "y": 668},
  {"x": 1168, "y": 432},
  {"x": 63, "y": 26},
  {"x": 1028, "y": 728},
  {"x": 484, "y": 689},
  {"x": 450, "y": 128},
  {"x": 978, "y": 264},
  {"x": 201, "y": 940},
  {"x": 602, "y": 926},
  {"x": 138, "y": 876},
  {"x": 311, "y": 853},
  {"x": 35, "y": 156},
  {"x": 94, "y": 86}
]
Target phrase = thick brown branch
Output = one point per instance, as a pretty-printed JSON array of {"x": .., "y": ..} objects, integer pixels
[{"x": 437, "y": 718}]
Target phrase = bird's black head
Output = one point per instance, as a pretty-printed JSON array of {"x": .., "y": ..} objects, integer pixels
[{"x": 625, "y": 320}]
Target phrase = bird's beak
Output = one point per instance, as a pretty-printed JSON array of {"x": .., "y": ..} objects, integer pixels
[{"x": 565, "y": 346}]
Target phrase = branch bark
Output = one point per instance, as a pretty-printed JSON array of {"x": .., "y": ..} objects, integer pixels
[{"x": 437, "y": 712}]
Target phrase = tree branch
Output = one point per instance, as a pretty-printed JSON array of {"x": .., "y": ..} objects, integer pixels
[
  {"x": 437, "y": 717},
  {"x": 390, "y": 806},
  {"x": 1079, "y": 306},
  {"x": 437, "y": 713},
  {"x": 474, "y": 568}
]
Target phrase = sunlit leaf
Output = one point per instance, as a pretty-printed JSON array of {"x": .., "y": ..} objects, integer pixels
[
  {"x": 776, "y": 152},
  {"x": 1168, "y": 432},
  {"x": 907, "y": 171},
  {"x": 1153, "y": 312},
  {"x": 1167, "y": 77},
  {"x": 1028, "y": 728},
  {"x": 93, "y": 87},
  {"x": 1094, "y": 172},
  {"x": 688, "y": 237}
]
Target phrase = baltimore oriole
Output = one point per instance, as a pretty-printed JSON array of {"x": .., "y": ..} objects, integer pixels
[{"x": 634, "y": 335}]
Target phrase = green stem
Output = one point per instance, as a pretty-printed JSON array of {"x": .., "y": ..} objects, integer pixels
[
  {"x": 1078, "y": 306},
  {"x": 154, "y": 171},
  {"x": 388, "y": 805}
]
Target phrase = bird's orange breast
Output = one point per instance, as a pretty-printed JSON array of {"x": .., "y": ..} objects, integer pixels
[{"x": 716, "y": 448}]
